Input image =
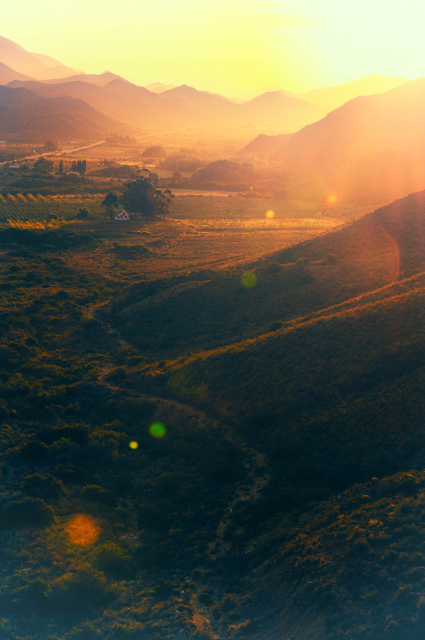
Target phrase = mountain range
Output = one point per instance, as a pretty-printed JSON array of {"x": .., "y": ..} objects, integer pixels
[
  {"x": 160, "y": 107},
  {"x": 366, "y": 150}
]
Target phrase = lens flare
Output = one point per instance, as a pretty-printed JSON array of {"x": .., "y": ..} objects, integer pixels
[
  {"x": 332, "y": 199},
  {"x": 83, "y": 530},
  {"x": 249, "y": 279},
  {"x": 157, "y": 430},
  {"x": 270, "y": 214},
  {"x": 133, "y": 445}
]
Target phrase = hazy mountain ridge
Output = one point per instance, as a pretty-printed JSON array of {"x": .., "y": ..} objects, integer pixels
[
  {"x": 330, "y": 98},
  {"x": 33, "y": 65},
  {"x": 27, "y": 116}
]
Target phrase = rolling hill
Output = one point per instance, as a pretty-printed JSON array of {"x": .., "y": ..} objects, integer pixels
[
  {"x": 26, "y": 116},
  {"x": 331, "y": 394}
]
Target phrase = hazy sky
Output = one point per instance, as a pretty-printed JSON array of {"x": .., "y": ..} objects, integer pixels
[{"x": 228, "y": 46}]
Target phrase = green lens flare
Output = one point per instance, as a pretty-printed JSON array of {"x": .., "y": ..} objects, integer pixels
[
  {"x": 157, "y": 430},
  {"x": 249, "y": 279}
]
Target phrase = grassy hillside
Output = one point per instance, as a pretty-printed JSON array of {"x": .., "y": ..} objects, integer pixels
[
  {"x": 316, "y": 274},
  {"x": 213, "y": 454}
]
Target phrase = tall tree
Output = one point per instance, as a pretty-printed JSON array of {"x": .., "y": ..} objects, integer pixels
[
  {"x": 60, "y": 170},
  {"x": 110, "y": 203}
]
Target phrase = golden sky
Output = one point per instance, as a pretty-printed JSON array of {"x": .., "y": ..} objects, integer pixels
[{"x": 229, "y": 46}]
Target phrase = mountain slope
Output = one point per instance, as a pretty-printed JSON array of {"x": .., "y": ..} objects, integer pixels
[
  {"x": 364, "y": 256},
  {"x": 275, "y": 108},
  {"x": 119, "y": 99},
  {"x": 28, "y": 117},
  {"x": 331, "y": 98},
  {"x": 271, "y": 110},
  {"x": 370, "y": 150},
  {"x": 34, "y": 65},
  {"x": 100, "y": 79},
  {"x": 9, "y": 75},
  {"x": 333, "y": 402}
]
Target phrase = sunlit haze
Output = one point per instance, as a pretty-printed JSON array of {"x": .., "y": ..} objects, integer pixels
[{"x": 233, "y": 47}]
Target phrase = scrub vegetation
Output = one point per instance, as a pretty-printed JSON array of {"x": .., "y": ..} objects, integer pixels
[{"x": 228, "y": 451}]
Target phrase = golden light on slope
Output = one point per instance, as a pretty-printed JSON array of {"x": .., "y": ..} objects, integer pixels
[{"x": 83, "y": 530}]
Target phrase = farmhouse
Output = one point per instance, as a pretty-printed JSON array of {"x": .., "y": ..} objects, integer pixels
[{"x": 122, "y": 215}]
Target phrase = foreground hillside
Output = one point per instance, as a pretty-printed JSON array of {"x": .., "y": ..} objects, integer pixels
[
  {"x": 253, "y": 472},
  {"x": 364, "y": 256}
]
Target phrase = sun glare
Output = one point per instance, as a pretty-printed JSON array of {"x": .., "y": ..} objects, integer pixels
[
  {"x": 270, "y": 214},
  {"x": 83, "y": 530}
]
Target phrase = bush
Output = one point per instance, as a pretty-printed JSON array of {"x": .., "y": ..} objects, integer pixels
[
  {"x": 276, "y": 325},
  {"x": 34, "y": 451},
  {"x": 42, "y": 485},
  {"x": 94, "y": 493},
  {"x": 113, "y": 559},
  {"x": 29, "y": 512},
  {"x": 86, "y": 588},
  {"x": 272, "y": 267}
]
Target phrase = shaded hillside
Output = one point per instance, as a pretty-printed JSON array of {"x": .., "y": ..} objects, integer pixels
[
  {"x": 369, "y": 254},
  {"x": 28, "y": 117},
  {"x": 334, "y": 400},
  {"x": 269, "y": 488},
  {"x": 31, "y": 64},
  {"x": 331, "y": 98},
  {"x": 139, "y": 109},
  {"x": 119, "y": 99}
]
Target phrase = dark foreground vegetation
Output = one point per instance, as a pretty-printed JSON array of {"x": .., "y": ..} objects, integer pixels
[{"x": 217, "y": 454}]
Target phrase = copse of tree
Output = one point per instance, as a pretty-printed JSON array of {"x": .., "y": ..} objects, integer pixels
[
  {"x": 42, "y": 165},
  {"x": 79, "y": 166},
  {"x": 141, "y": 197}
]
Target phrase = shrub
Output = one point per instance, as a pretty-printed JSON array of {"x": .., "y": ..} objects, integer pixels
[
  {"x": 94, "y": 493},
  {"x": 28, "y": 512},
  {"x": 331, "y": 258},
  {"x": 112, "y": 558},
  {"x": 83, "y": 589},
  {"x": 272, "y": 267},
  {"x": 34, "y": 451},
  {"x": 42, "y": 485},
  {"x": 276, "y": 325}
]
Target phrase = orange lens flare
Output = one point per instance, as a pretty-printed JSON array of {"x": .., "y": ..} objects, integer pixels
[
  {"x": 83, "y": 531},
  {"x": 270, "y": 215},
  {"x": 332, "y": 199}
]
